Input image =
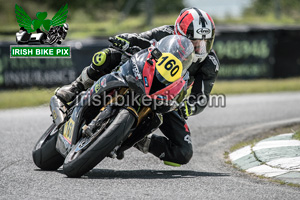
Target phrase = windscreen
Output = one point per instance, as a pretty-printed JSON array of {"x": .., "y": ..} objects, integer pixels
[{"x": 177, "y": 56}]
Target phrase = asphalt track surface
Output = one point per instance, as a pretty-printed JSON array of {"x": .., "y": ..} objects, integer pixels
[{"x": 143, "y": 176}]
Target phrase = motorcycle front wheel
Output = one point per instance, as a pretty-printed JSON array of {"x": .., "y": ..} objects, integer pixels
[{"x": 77, "y": 163}]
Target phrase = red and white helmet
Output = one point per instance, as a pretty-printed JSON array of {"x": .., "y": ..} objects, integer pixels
[{"x": 199, "y": 27}]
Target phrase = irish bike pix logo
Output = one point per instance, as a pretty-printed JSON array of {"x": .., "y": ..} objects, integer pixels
[{"x": 41, "y": 37}]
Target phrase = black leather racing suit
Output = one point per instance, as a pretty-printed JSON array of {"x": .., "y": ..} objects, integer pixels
[{"x": 176, "y": 146}]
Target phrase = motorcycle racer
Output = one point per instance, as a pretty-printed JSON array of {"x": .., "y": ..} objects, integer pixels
[{"x": 198, "y": 26}]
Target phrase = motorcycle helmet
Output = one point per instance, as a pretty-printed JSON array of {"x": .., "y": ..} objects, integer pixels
[
  {"x": 199, "y": 27},
  {"x": 65, "y": 27}
]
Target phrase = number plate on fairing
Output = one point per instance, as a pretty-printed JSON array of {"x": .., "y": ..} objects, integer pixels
[
  {"x": 68, "y": 130},
  {"x": 64, "y": 140},
  {"x": 169, "y": 67}
]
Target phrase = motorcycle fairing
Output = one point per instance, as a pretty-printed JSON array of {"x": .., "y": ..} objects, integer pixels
[
  {"x": 142, "y": 82},
  {"x": 68, "y": 132},
  {"x": 132, "y": 71},
  {"x": 169, "y": 92},
  {"x": 107, "y": 83},
  {"x": 148, "y": 73}
]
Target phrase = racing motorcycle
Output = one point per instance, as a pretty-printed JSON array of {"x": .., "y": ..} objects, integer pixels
[{"x": 89, "y": 129}]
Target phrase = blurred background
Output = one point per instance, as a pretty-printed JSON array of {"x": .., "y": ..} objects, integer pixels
[
  {"x": 257, "y": 41},
  {"x": 100, "y": 18}
]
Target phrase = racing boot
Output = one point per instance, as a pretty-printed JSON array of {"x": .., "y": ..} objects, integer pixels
[
  {"x": 68, "y": 93},
  {"x": 143, "y": 145},
  {"x": 120, "y": 155}
]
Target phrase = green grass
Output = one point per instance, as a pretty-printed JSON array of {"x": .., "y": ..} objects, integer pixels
[
  {"x": 111, "y": 22},
  {"x": 243, "y": 144},
  {"x": 256, "y": 86},
  {"x": 268, "y": 19},
  {"x": 296, "y": 136},
  {"x": 35, "y": 96},
  {"x": 25, "y": 97},
  {"x": 81, "y": 27}
]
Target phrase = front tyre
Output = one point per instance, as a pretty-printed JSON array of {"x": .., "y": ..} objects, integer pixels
[
  {"x": 78, "y": 163},
  {"x": 44, "y": 153}
]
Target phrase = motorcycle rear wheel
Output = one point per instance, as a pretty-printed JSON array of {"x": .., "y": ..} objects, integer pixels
[
  {"x": 44, "y": 153},
  {"x": 76, "y": 165}
]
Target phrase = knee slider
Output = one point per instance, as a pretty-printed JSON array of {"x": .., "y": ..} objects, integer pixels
[{"x": 182, "y": 159}]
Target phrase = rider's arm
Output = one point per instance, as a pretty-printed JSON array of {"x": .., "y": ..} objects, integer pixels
[
  {"x": 142, "y": 39},
  {"x": 204, "y": 82},
  {"x": 157, "y": 33}
]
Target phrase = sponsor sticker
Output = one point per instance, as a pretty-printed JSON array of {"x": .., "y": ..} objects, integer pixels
[
  {"x": 203, "y": 31},
  {"x": 136, "y": 72},
  {"x": 146, "y": 81}
]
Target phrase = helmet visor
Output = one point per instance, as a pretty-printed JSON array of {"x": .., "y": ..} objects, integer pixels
[{"x": 202, "y": 46}]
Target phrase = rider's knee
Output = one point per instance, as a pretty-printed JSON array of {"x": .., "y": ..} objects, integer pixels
[{"x": 184, "y": 156}]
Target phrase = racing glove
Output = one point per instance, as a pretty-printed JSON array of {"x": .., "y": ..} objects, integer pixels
[
  {"x": 120, "y": 42},
  {"x": 186, "y": 109}
]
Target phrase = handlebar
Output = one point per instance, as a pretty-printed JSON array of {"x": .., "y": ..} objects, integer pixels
[{"x": 121, "y": 50}]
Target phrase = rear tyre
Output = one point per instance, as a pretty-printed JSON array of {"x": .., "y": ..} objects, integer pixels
[
  {"x": 78, "y": 163},
  {"x": 44, "y": 153}
]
